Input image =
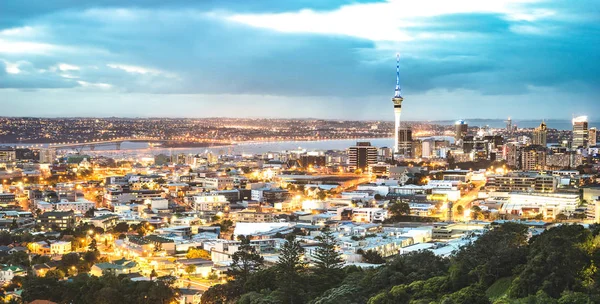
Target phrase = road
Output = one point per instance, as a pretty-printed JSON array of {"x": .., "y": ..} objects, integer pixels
[
  {"x": 184, "y": 282},
  {"x": 466, "y": 200}
]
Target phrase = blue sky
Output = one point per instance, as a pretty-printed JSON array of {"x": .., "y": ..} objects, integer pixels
[{"x": 305, "y": 58}]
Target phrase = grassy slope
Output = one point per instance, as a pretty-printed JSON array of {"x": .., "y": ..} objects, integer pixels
[{"x": 499, "y": 288}]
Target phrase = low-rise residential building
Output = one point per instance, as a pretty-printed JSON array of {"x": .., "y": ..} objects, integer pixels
[
  {"x": 8, "y": 272},
  {"x": 58, "y": 219},
  {"x": 251, "y": 216},
  {"x": 106, "y": 221},
  {"x": 215, "y": 203},
  {"x": 60, "y": 248},
  {"x": 369, "y": 215},
  {"x": 122, "y": 266}
]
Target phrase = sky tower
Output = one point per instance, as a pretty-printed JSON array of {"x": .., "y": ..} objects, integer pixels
[{"x": 397, "y": 100}]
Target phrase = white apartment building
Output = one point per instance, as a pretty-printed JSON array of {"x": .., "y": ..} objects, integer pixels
[
  {"x": 369, "y": 215},
  {"x": 211, "y": 203}
]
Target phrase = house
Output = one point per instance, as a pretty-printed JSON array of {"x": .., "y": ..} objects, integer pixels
[
  {"x": 41, "y": 247},
  {"x": 17, "y": 249},
  {"x": 122, "y": 266},
  {"x": 105, "y": 222},
  {"x": 8, "y": 272},
  {"x": 40, "y": 270},
  {"x": 60, "y": 248},
  {"x": 187, "y": 295},
  {"x": 203, "y": 267}
]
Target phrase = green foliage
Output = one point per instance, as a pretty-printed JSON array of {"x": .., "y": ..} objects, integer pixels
[
  {"x": 121, "y": 227},
  {"x": 493, "y": 256},
  {"x": 86, "y": 289},
  {"x": 289, "y": 267},
  {"x": 559, "y": 266},
  {"x": 245, "y": 261},
  {"x": 398, "y": 209},
  {"x": 190, "y": 269},
  {"x": 555, "y": 260},
  {"x": 93, "y": 246},
  {"x": 499, "y": 288},
  {"x": 327, "y": 258},
  {"x": 371, "y": 256},
  {"x": 471, "y": 294}
]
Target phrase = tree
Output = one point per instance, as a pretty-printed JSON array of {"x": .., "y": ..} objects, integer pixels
[
  {"x": 55, "y": 274},
  {"x": 328, "y": 261},
  {"x": 93, "y": 246},
  {"x": 190, "y": 269},
  {"x": 198, "y": 253},
  {"x": 460, "y": 209},
  {"x": 70, "y": 259},
  {"x": 90, "y": 212},
  {"x": 398, "y": 209},
  {"x": 557, "y": 260},
  {"x": 121, "y": 227},
  {"x": 289, "y": 266},
  {"x": 471, "y": 294},
  {"x": 321, "y": 195},
  {"x": 326, "y": 256},
  {"x": 245, "y": 261},
  {"x": 476, "y": 213},
  {"x": 91, "y": 257},
  {"x": 225, "y": 225},
  {"x": 220, "y": 294},
  {"x": 153, "y": 274},
  {"x": 372, "y": 257}
]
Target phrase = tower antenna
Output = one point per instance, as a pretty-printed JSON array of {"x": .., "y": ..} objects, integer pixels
[{"x": 397, "y": 91}]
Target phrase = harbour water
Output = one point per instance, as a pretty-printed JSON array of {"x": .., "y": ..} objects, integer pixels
[{"x": 142, "y": 149}]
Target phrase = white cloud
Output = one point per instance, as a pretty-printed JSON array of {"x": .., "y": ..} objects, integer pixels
[
  {"x": 67, "y": 67},
  {"x": 388, "y": 21},
  {"x": 94, "y": 85},
  {"x": 13, "y": 67},
  {"x": 140, "y": 70},
  {"x": 68, "y": 76},
  {"x": 25, "y": 47},
  {"x": 18, "y": 31}
]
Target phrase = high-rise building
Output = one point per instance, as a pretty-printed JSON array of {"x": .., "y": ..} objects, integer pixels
[
  {"x": 533, "y": 158},
  {"x": 405, "y": 142},
  {"x": 461, "y": 129},
  {"x": 397, "y": 100},
  {"x": 540, "y": 135},
  {"x": 580, "y": 132},
  {"x": 593, "y": 137},
  {"x": 509, "y": 126},
  {"x": 361, "y": 156}
]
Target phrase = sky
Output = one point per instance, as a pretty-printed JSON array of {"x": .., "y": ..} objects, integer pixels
[{"x": 528, "y": 59}]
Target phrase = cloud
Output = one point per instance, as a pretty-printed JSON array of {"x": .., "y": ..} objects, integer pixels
[
  {"x": 68, "y": 67},
  {"x": 388, "y": 21},
  {"x": 94, "y": 85},
  {"x": 333, "y": 52},
  {"x": 13, "y": 67},
  {"x": 25, "y": 47},
  {"x": 140, "y": 70}
]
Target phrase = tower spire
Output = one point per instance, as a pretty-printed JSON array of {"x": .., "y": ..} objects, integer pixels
[{"x": 397, "y": 91}]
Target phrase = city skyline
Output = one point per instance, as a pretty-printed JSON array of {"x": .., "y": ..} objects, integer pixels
[{"x": 103, "y": 59}]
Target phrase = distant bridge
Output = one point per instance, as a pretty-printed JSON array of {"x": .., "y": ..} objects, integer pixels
[{"x": 92, "y": 144}]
